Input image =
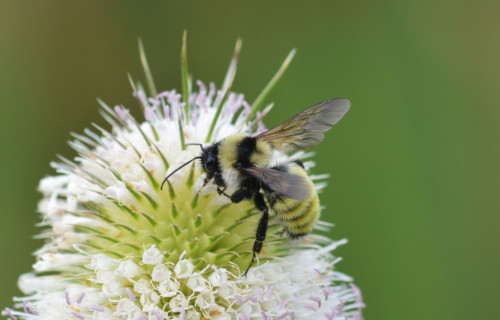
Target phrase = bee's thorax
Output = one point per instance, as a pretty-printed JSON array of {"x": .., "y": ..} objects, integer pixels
[{"x": 239, "y": 151}]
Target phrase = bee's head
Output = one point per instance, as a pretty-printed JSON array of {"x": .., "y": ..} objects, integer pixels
[{"x": 209, "y": 158}]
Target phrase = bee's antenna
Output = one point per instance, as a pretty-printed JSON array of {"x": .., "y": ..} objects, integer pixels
[
  {"x": 196, "y": 144},
  {"x": 185, "y": 164}
]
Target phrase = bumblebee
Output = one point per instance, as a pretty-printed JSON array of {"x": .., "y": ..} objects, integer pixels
[{"x": 243, "y": 163}]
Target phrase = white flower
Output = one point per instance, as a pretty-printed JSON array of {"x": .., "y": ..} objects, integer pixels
[
  {"x": 152, "y": 256},
  {"x": 183, "y": 269},
  {"x": 127, "y": 269},
  {"x": 160, "y": 273},
  {"x": 120, "y": 247}
]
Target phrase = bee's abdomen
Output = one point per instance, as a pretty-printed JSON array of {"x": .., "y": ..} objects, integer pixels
[{"x": 297, "y": 217}]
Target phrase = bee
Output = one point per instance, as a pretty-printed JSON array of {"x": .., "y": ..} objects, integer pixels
[{"x": 243, "y": 163}]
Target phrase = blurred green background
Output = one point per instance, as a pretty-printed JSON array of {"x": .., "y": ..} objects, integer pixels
[{"x": 414, "y": 165}]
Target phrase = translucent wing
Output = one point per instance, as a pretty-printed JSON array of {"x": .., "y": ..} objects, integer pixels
[
  {"x": 305, "y": 130},
  {"x": 283, "y": 183}
]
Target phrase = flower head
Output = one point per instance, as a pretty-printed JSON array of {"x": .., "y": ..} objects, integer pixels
[{"x": 121, "y": 247}]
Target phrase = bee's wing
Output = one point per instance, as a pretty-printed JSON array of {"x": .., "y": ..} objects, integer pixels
[
  {"x": 305, "y": 130},
  {"x": 283, "y": 183}
]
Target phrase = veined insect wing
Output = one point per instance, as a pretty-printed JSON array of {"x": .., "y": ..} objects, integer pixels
[{"x": 306, "y": 129}]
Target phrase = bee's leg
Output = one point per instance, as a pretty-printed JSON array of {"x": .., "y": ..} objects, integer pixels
[
  {"x": 207, "y": 179},
  {"x": 260, "y": 235},
  {"x": 219, "y": 181},
  {"x": 205, "y": 182},
  {"x": 222, "y": 191},
  {"x": 241, "y": 194},
  {"x": 208, "y": 176},
  {"x": 221, "y": 185}
]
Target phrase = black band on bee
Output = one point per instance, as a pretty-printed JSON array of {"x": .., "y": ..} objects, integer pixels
[
  {"x": 245, "y": 149},
  {"x": 281, "y": 167},
  {"x": 296, "y": 236},
  {"x": 303, "y": 212},
  {"x": 300, "y": 163}
]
